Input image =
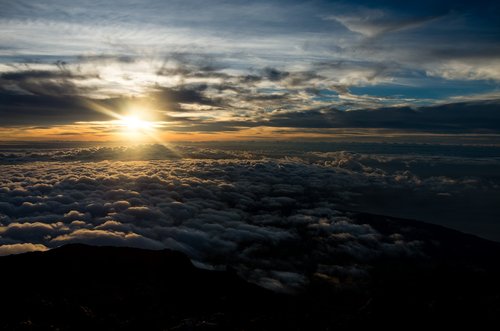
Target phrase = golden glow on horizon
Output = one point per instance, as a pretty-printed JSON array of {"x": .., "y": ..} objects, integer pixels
[{"x": 105, "y": 131}]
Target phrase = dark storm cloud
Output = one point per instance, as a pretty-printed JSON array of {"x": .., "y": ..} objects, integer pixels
[
  {"x": 266, "y": 97},
  {"x": 457, "y": 117},
  {"x": 20, "y": 76},
  {"x": 47, "y": 98},
  {"x": 303, "y": 78},
  {"x": 303, "y": 119},
  {"x": 189, "y": 64},
  {"x": 22, "y": 109},
  {"x": 107, "y": 58},
  {"x": 44, "y": 97},
  {"x": 274, "y": 74},
  {"x": 192, "y": 67},
  {"x": 170, "y": 98},
  {"x": 57, "y": 82},
  {"x": 479, "y": 117}
]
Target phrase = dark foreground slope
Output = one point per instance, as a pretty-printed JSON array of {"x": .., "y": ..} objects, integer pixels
[
  {"x": 78, "y": 287},
  {"x": 85, "y": 288}
]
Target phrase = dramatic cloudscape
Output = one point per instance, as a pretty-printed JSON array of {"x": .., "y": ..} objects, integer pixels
[
  {"x": 277, "y": 213},
  {"x": 196, "y": 70},
  {"x": 256, "y": 165}
]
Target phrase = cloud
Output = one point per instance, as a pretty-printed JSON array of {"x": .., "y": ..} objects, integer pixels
[
  {"x": 456, "y": 117},
  {"x": 468, "y": 68},
  {"x": 242, "y": 65},
  {"x": 20, "y": 248},
  {"x": 169, "y": 99},
  {"x": 274, "y": 219},
  {"x": 109, "y": 238},
  {"x": 204, "y": 97},
  {"x": 275, "y": 214},
  {"x": 30, "y": 231},
  {"x": 375, "y": 22}
]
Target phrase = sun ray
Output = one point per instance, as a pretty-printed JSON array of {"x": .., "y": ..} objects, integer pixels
[{"x": 132, "y": 126}]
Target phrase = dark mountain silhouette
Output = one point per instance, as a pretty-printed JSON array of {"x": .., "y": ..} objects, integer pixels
[{"x": 79, "y": 287}]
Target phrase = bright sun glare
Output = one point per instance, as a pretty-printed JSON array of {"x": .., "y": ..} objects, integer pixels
[
  {"x": 133, "y": 123},
  {"x": 135, "y": 128},
  {"x": 136, "y": 124}
]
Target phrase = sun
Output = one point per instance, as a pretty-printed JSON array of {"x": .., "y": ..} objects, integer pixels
[
  {"x": 133, "y": 123},
  {"x": 134, "y": 128}
]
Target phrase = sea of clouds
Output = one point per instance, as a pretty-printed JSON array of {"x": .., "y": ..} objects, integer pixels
[{"x": 276, "y": 221}]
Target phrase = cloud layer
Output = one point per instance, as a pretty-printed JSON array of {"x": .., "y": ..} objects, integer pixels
[{"x": 276, "y": 221}]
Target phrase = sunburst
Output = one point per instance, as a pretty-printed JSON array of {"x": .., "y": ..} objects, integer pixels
[{"x": 133, "y": 123}]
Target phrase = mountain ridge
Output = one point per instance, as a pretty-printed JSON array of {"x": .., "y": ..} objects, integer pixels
[{"x": 81, "y": 287}]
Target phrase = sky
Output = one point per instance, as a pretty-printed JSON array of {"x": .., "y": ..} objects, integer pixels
[{"x": 243, "y": 70}]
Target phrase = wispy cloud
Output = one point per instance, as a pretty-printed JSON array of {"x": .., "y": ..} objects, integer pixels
[
  {"x": 239, "y": 63},
  {"x": 375, "y": 22}
]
